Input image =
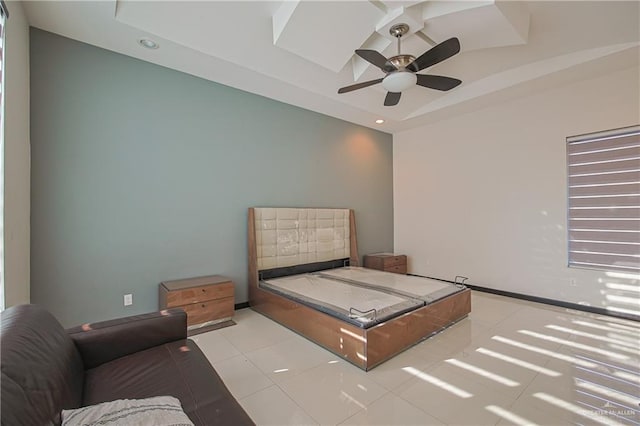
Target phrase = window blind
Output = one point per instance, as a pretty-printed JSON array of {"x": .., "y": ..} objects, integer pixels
[{"x": 604, "y": 200}]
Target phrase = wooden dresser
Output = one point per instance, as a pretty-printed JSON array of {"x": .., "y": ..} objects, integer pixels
[
  {"x": 386, "y": 262},
  {"x": 208, "y": 301}
]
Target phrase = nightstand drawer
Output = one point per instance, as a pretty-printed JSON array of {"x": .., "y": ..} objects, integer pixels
[
  {"x": 199, "y": 294},
  {"x": 398, "y": 269},
  {"x": 383, "y": 261},
  {"x": 394, "y": 260},
  {"x": 388, "y": 262},
  {"x": 208, "y": 301},
  {"x": 212, "y": 310}
]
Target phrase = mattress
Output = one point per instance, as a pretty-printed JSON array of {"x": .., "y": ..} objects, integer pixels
[
  {"x": 360, "y": 296},
  {"x": 358, "y": 305},
  {"x": 426, "y": 289}
]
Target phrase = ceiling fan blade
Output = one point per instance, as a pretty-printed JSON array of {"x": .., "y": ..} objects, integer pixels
[
  {"x": 359, "y": 86},
  {"x": 373, "y": 57},
  {"x": 392, "y": 98},
  {"x": 438, "y": 82},
  {"x": 437, "y": 54}
]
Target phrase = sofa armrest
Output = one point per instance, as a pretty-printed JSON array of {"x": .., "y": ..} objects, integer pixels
[{"x": 105, "y": 341}]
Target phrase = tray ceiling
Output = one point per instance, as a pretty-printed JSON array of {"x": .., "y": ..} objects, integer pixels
[{"x": 301, "y": 52}]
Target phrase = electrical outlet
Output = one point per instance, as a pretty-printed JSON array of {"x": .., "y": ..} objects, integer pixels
[
  {"x": 572, "y": 282},
  {"x": 128, "y": 299}
]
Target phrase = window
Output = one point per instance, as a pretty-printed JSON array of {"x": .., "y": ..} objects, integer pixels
[
  {"x": 4, "y": 14},
  {"x": 604, "y": 200}
]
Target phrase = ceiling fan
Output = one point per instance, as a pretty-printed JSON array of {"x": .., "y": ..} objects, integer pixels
[{"x": 401, "y": 69}]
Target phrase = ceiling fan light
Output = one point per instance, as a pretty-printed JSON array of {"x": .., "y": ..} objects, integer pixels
[{"x": 399, "y": 81}]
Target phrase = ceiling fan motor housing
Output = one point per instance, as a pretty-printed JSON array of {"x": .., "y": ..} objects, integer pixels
[{"x": 400, "y": 62}]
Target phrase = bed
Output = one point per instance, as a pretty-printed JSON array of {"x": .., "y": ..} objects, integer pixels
[{"x": 304, "y": 274}]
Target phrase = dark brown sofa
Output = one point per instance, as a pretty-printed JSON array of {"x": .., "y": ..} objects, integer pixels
[{"x": 46, "y": 369}]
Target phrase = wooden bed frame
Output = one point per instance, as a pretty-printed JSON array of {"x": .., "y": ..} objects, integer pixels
[{"x": 365, "y": 348}]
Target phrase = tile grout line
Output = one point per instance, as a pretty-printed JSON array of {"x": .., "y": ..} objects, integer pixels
[
  {"x": 296, "y": 403},
  {"x": 365, "y": 409},
  {"x": 419, "y": 408},
  {"x": 274, "y": 383}
]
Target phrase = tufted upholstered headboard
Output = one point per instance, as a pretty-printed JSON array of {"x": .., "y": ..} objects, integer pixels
[
  {"x": 288, "y": 237},
  {"x": 297, "y": 236}
]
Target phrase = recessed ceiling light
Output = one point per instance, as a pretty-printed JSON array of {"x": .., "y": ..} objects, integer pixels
[
  {"x": 379, "y": 121},
  {"x": 148, "y": 43}
]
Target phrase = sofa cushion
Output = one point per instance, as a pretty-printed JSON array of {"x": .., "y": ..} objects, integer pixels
[
  {"x": 156, "y": 411},
  {"x": 42, "y": 372},
  {"x": 177, "y": 369}
]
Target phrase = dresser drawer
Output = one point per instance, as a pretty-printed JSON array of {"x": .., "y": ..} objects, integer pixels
[
  {"x": 198, "y": 313},
  {"x": 203, "y": 293}
]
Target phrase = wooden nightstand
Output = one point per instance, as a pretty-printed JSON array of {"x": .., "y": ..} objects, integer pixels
[
  {"x": 386, "y": 262},
  {"x": 208, "y": 301}
]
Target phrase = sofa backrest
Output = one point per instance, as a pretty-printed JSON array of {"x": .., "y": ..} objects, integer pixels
[{"x": 42, "y": 371}]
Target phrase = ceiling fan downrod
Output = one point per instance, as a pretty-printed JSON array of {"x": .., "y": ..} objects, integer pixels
[
  {"x": 400, "y": 61},
  {"x": 398, "y": 31}
]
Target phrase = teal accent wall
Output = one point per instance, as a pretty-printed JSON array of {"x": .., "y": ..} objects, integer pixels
[{"x": 142, "y": 174}]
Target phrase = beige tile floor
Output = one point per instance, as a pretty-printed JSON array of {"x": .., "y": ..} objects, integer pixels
[{"x": 510, "y": 362}]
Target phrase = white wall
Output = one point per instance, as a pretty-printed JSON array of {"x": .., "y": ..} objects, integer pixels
[
  {"x": 484, "y": 194},
  {"x": 16, "y": 158}
]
